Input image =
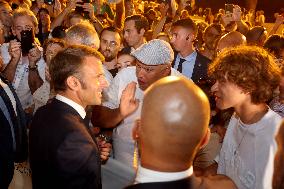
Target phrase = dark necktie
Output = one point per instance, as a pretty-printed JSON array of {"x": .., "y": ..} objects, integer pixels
[{"x": 180, "y": 65}]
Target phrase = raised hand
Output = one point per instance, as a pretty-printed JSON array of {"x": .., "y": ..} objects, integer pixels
[
  {"x": 237, "y": 13},
  {"x": 34, "y": 55},
  {"x": 88, "y": 7},
  {"x": 128, "y": 102}
]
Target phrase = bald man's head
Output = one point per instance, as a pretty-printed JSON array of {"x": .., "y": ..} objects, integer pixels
[
  {"x": 231, "y": 39},
  {"x": 174, "y": 120}
]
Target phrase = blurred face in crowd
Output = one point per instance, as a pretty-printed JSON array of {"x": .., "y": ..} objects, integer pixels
[
  {"x": 131, "y": 35},
  {"x": 39, "y": 3},
  {"x": 2, "y": 40},
  {"x": 124, "y": 61},
  {"x": 146, "y": 75},
  {"x": 110, "y": 45},
  {"x": 92, "y": 81},
  {"x": 228, "y": 94},
  {"x": 6, "y": 15},
  {"x": 44, "y": 18},
  {"x": 22, "y": 23},
  {"x": 211, "y": 36},
  {"x": 181, "y": 38},
  {"x": 51, "y": 50},
  {"x": 129, "y": 8}
]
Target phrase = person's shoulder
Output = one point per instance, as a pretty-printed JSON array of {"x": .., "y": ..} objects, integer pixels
[
  {"x": 126, "y": 73},
  {"x": 202, "y": 58},
  {"x": 212, "y": 182},
  {"x": 271, "y": 118}
]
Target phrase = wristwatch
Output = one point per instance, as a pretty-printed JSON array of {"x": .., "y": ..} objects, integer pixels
[{"x": 32, "y": 68}]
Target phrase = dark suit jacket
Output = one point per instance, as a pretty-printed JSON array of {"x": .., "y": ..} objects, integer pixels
[
  {"x": 62, "y": 152},
  {"x": 19, "y": 152},
  {"x": 179, "y": 184},
  {"x": 192, "y": 182},
  {"x": 200, "y": 68}
]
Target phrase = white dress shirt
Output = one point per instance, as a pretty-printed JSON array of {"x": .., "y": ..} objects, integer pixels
[
  {"x": 73, "y": 104},
  {"x": 146, "y": 175}
]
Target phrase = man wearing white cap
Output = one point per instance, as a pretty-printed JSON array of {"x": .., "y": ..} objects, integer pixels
[{"x": 122, "y": 108}]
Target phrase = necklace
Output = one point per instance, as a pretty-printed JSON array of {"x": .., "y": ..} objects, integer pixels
[{"x": 238, "y": 146}]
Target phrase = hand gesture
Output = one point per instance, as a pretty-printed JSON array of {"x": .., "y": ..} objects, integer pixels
[
  {"x": 105, "y": 148},
  {"x": 88, "y": 7},
  {"x": 237, "y": 13},
  {"x": 128, "y": 103},
  {"x": 57, "y": 5},
  {"x": 15, "y": 50},
  {"x": 71, "y": 4},
  {"x": 34, "y": 55}
]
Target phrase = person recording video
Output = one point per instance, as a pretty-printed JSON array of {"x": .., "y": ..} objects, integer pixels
[{"x": 22, "y": 57}]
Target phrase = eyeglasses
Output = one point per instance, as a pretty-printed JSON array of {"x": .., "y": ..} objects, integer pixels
[
  {"x": 111, "y": 44},
  {"x": 21, "y": 28}
]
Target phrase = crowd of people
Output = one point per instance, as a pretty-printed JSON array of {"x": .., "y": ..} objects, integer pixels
[{"x": 139, "y": 94}]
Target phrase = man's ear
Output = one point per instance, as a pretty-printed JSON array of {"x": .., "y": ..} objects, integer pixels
[
  {"x": 135, "y": 130},
  {"x": 205, "y": 139},
  {"x": 142, "y": 32},
  {"x": 73, "y": 83}
]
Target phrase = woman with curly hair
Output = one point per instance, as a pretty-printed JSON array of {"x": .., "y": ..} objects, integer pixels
[{"x": 245, "y": 80}]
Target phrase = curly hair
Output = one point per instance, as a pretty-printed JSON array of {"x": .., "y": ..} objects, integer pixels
[{"x": 251, "y": 68}]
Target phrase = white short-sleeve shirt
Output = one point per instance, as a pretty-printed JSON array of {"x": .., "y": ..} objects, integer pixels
[
  {"x": 20, "y": 82},
  {"x": 247, "y": 154}
]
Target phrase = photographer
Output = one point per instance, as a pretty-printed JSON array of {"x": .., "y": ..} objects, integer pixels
[{"x": 22, "y": 57}]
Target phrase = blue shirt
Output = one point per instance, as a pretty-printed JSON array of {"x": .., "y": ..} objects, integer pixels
[{"x": 187, "y": 65}]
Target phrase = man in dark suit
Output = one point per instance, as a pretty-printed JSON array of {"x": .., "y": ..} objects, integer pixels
[
  {"x": 63, "y": 153},
  {"x": 188, "y": 61},
  {"x": 173, "y": 126},
  {"x": 13, "y": 133}
]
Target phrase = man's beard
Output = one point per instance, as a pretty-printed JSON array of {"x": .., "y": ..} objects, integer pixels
[{"x": 109, "y": 57}]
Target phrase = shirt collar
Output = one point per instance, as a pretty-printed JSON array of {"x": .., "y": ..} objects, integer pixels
[
  {"x": 146, "y": 175},
  {"x": 190, "y": 57},
  {"x": 73, "y": 104}
]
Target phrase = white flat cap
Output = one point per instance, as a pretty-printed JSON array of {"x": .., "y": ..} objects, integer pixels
[{"x": 155, "y": 52}]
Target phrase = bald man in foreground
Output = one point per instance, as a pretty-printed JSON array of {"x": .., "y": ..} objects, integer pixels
[{"x": 173, "y": 126}]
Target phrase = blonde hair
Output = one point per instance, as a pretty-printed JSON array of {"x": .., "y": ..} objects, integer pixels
[{"x": 19, "y": 12}]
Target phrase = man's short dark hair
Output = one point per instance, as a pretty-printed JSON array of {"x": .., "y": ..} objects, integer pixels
[
  {"x": 111, "y": 29},
  {"x": 140, "y": 22},
  {"x": 187, "y": 23},
  {"x": 68, "y": 62}
]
